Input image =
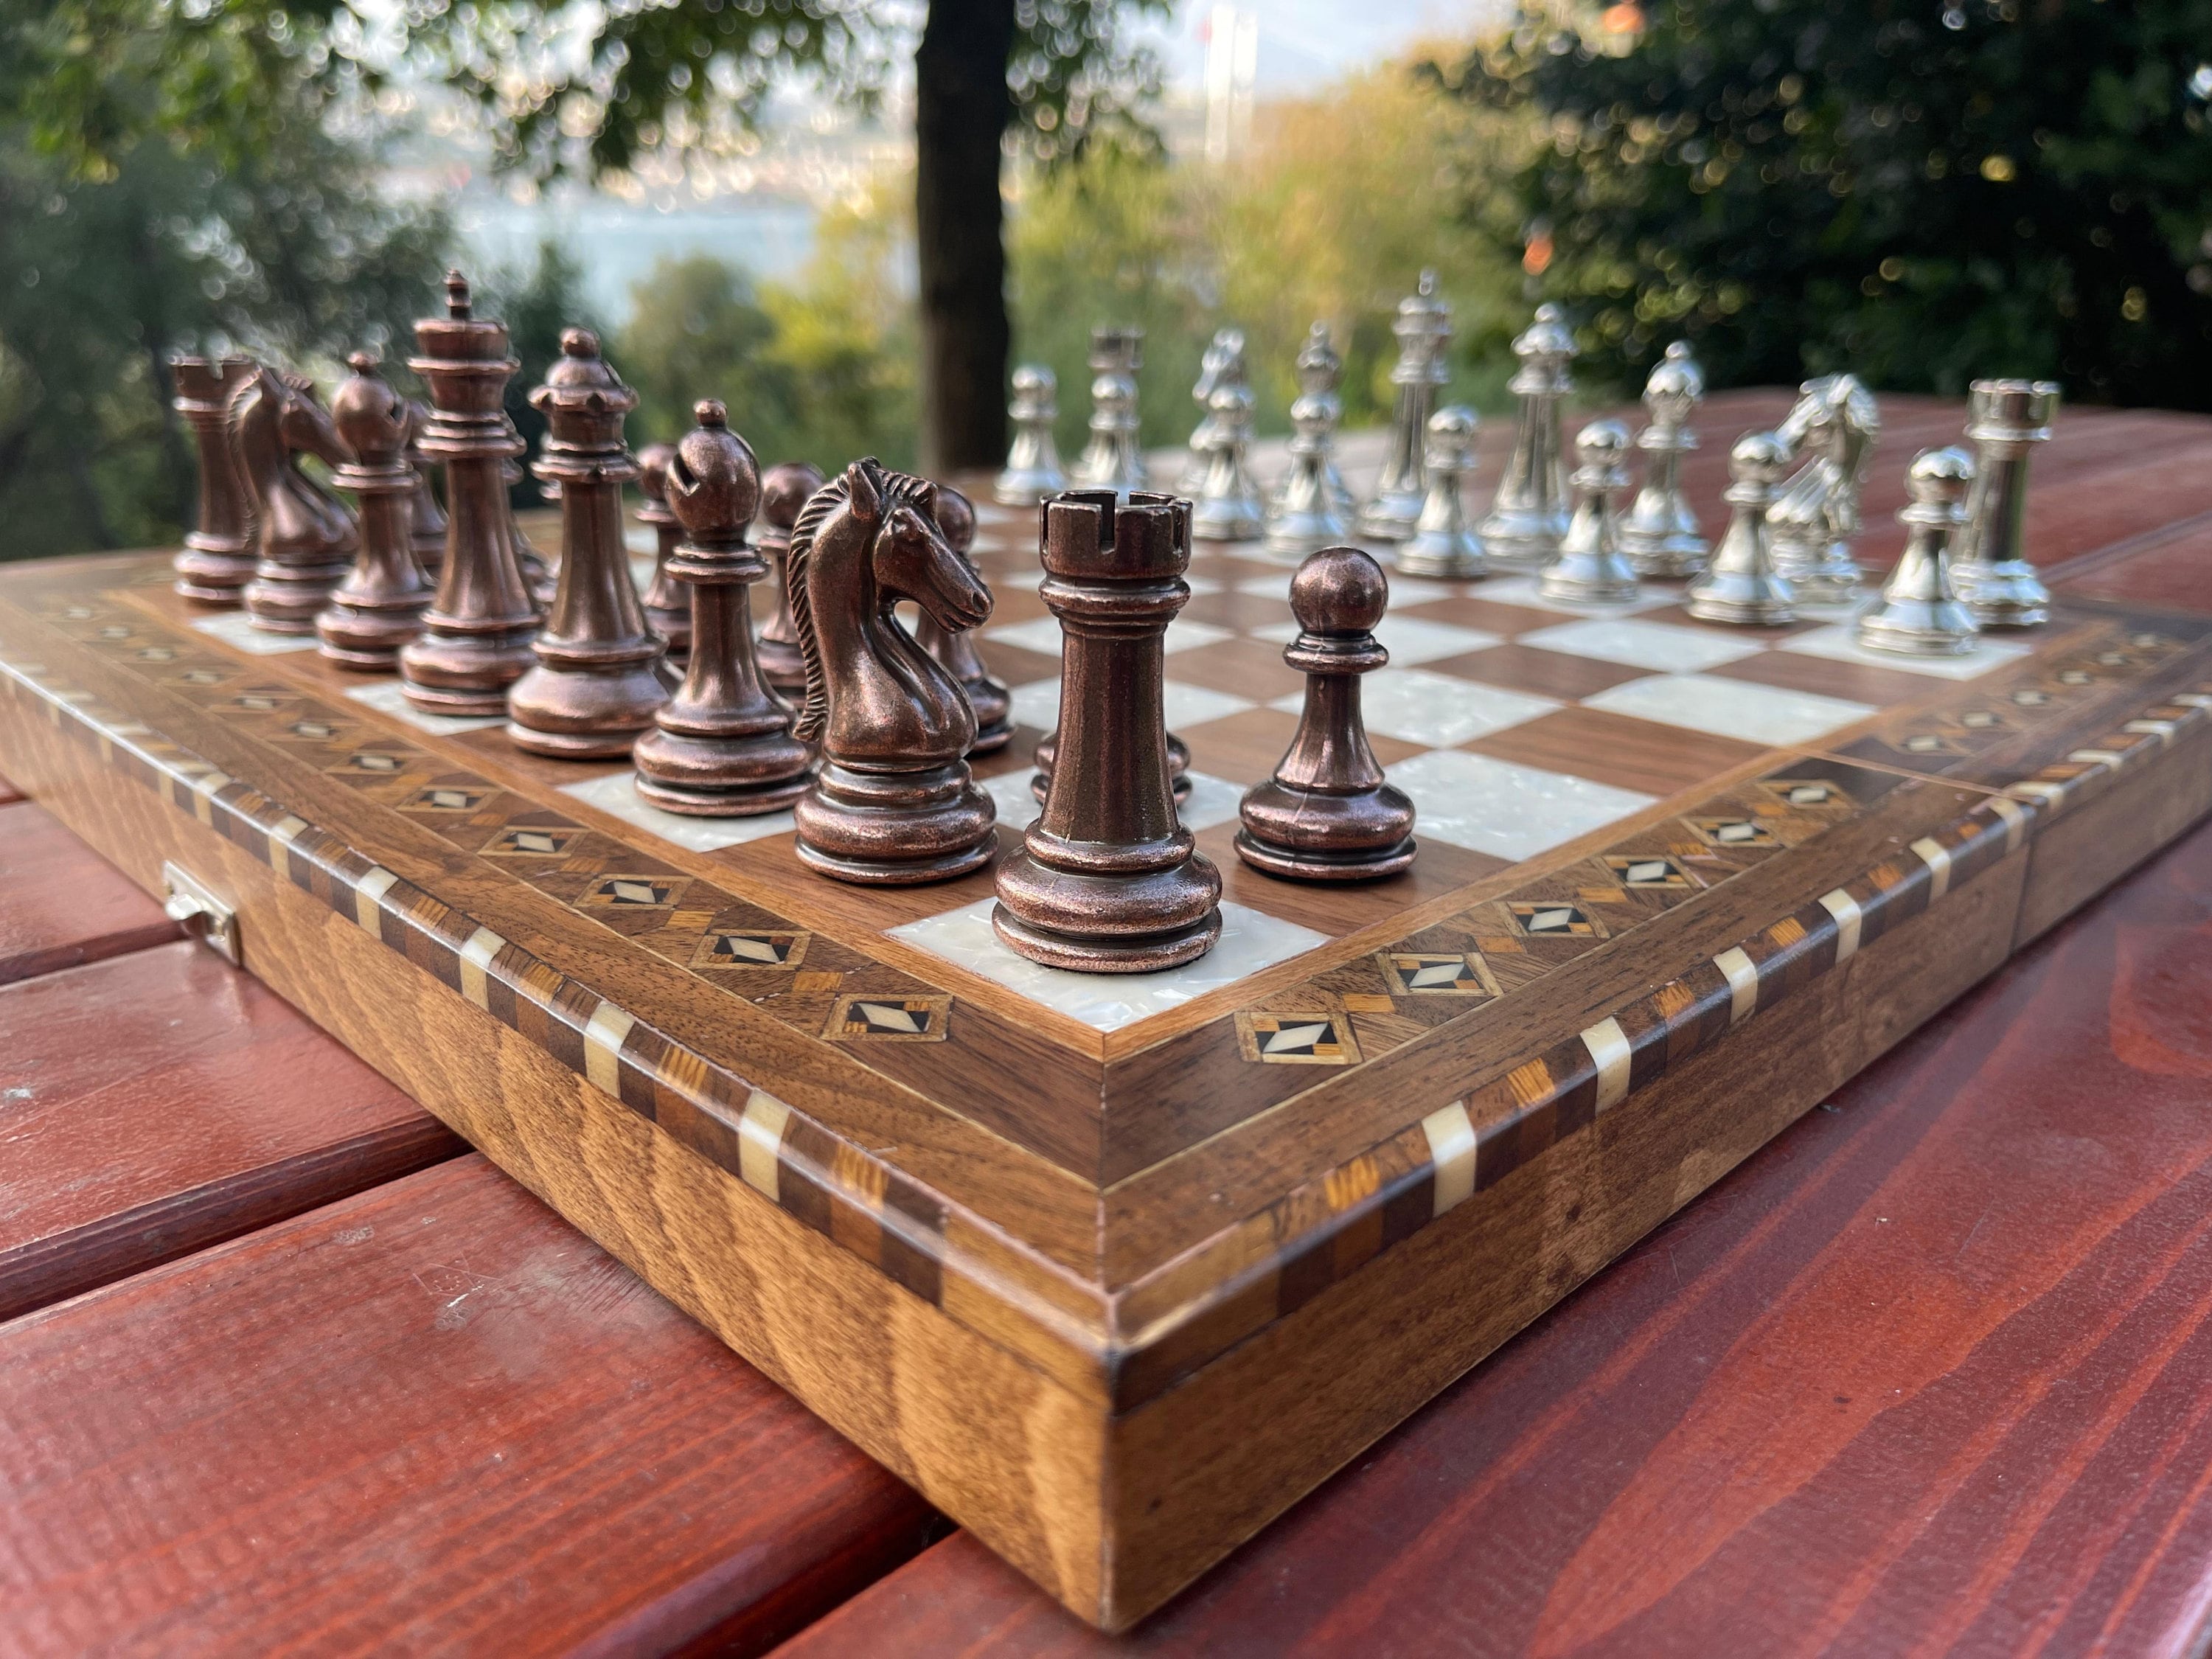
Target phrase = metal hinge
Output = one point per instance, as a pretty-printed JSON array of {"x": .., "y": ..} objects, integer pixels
[{"x": 203, "y": 915}]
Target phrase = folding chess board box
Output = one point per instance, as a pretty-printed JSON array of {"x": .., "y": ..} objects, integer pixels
[{"x": 1113, "y": 1270}]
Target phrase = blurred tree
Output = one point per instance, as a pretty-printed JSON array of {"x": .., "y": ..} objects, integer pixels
[
  {"x": 596, "y": 86},
  {"x": 285, "y": 251},
  {"x": 1920, "y": 191}
]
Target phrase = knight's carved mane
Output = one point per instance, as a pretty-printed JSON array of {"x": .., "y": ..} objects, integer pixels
[{"x": 898, "y": 490}]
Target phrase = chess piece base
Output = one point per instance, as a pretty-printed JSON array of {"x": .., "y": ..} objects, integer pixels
[
  {"x": 2007, "y": 595},
  {"x": 464, "y": 676},
  {"x": 1571, "y": 589},
  {"x": 1666, "y": 560},
  {"x": 357, "y": 637},
  {"x": 288, "y": 602},
  {"x": 1148, "y": 953},
  {"x": 206, "y": 576},
  {"x": 1520, "y": 541},
  {"x": 1446, "y": 562},
  {"x": 1933, "y": 635},
  {"x": 989, "y": 739},
  {"x": 674, "y": 627},
  {"x": 1238, "y": 521},
  {"x": 1012, "y": 489},
  {"x": 896, "y": 829},
  {"x": 1749, "y": 612},
  {"x": 780, "y": 664},
  {"x": 1391, "y": 517},
  {"x": 1297, "y": 864},
  {"x": 723, "y": 802}
]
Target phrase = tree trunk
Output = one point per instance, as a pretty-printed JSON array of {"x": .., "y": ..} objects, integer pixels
[{"x": 962, "y": 109}]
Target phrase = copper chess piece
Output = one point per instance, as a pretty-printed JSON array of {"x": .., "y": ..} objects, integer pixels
[
  {"x": 1033, "y": 470},
  {"x": 721, "y": 747},
  {"x": 667, "y": 606},
  {"x": 217, "y": 560},
  {"x": 1108, "y": 880},
  {"x": 1311, "y": 509},
  {"x": 425, "y": 515},
  {"x": 1423, "y": 328},
  {"x": 1327, "y": 814},
  {"x": 1442, "y": 545},
  {"x": 1815, "y": 515},
  {"x": 1660, "y": 534},
  {"x": 1529, "y": 515},
  {"x": 955, "y": 651},
  {"x": 784, "y": 492},
  {"x": 601, "y": 673},
  {"x": 1222, "y": 364},
  {"x": 1920, "y": 614},
  {"x": 2008, "y": 419},
  {"x": 894, "y": 802},
  {"x": 1740, "y": 585},
  {"x": 476, "y": 635},
  {"x": 1589, "y": 567},
  {"x": 304, "y": 537},
  {"x": 380, "y": 605},
  {"x": 1228, "y": 507},
  {"x": 1112, "y": 459}
]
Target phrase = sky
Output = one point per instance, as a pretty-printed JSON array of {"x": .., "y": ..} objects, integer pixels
[{"x": 1304, "y": 44}]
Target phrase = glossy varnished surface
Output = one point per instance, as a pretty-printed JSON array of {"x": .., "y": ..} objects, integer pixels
[
  {"x": 162, "y": 1101},
  {"x": 61, "y": 903},
  {"x": 1927, "y": 1374},
  {"x": 431, "y": 1420}
]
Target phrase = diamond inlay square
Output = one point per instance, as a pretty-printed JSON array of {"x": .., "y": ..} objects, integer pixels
[
  {"x": 888, "y": 1019},
  {"x": 751, "y": 948},
  {"x": 1646, "y": 871},
  {"x": 1555, "y": 921},
  {"x": 1432, "y": 973},
  {"x": 1297, "y": 1039}
]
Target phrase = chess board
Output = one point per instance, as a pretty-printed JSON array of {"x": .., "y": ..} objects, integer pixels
[{"x": 1113, "y": 1268}]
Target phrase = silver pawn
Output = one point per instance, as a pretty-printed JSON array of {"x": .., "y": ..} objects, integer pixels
[
  {"x": 1740, "y": 585},
  {"x": 1112, "y": 459},
  {"x": 1320, "y": 372},
  {"x": 2007, "y": 418},
  {"x": 1816, "y": 513},
  {"x": 1033, "y": 470},
  {"x": 1589, "y": 567},
  {"x": 1660, "y": 534},
  {"x": 1423, "y": 327},
  {"x": 1920, "y": 615},
  {"x": 1227, "y": 509},
  {"x": 1441, "y": 544},
  {"x": 1307, "y": 511},
  {"x": 1528, "y": 515},
  {"x": 1223, "y": 364}
]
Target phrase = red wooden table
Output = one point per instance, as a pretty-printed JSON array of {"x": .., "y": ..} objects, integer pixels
[{"x": 285, "y": 1369}]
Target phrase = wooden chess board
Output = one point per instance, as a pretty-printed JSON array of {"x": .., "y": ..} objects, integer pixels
[{"x": 1114, "y": 1269}]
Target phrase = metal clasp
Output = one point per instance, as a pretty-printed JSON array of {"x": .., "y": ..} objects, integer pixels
[{"x": 203, "y": 915}]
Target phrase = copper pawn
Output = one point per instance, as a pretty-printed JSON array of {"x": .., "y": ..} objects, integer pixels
[
  {"x": 426, "y": 531},
  {"x": 722, "y": 745},
  {"x": 599, "y": 678},
  {"x": 217, "y": 560},
  {"x": 784, "y": 491},
  {"x": 303, "y": 535},
  {"x": 1327, "y": 814},
  {"x": 993, "y": 703},
  {"x": 380, "y": 605},
  {"x": 667, "y": 607},
  {"x": 476, "y": 635},
  {"x": 1108, "y": 881}
]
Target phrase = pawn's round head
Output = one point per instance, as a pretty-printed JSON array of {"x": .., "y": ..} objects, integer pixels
[
  {"x": 1033, "y": 380},
  {"x": 712, "y": 479},
  {"x": 1601, "y": 443},
  {"x": 784, "y": 490},
  {"x": 1231, "y": 401},
  {"x": 1675, "y": 383},
  {"x": 1340, "y": 590},
  {"x": 1455, "y": 423},
  {"x": 1940, "y": 477},
  {"x": 653, "y": 471},
  {"x": 956, "y": 518},
  {"x": 369, "y": 414},
  {"x": 1758, "y": 458}
]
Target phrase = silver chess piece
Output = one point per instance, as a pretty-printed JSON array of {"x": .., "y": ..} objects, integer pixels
[
  {"x": 1423, "y": 327},
  {"x": 1660, "y": 534},
  {"x": 1920, "y": 614},
  {"x": 1589, "y": 566},
  {"x": 1223, "y": 364},
  {"x": 2008, "y": 419},
  {"x": 1441, "y": 545},
  {"x": 1309, "y": 511},
  {"x": 1033, "y": 470},
  {"x": 1740, "y": 585},
  {"x": 1816, "y": 513},
  {"x": 1228, "y": 505},
  {"x": 1112, "y": 459},
  {"x": 1528, "y": 515}
]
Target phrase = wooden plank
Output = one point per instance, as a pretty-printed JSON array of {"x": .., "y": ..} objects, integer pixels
[
  {"x": 162, "y": 1102},
  {"x": 433, "y": 1419},
  {"x": 61, "y": 903},
  {"x": 1924, "y": 1375}
]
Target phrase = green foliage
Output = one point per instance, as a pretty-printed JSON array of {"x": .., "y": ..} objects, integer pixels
[
  {"x": 1344, "y": 200},
  {"x": 286, "y": 253},
  {"x": 1921, "y": 192},
  {"x": 819, "y": 369}
]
